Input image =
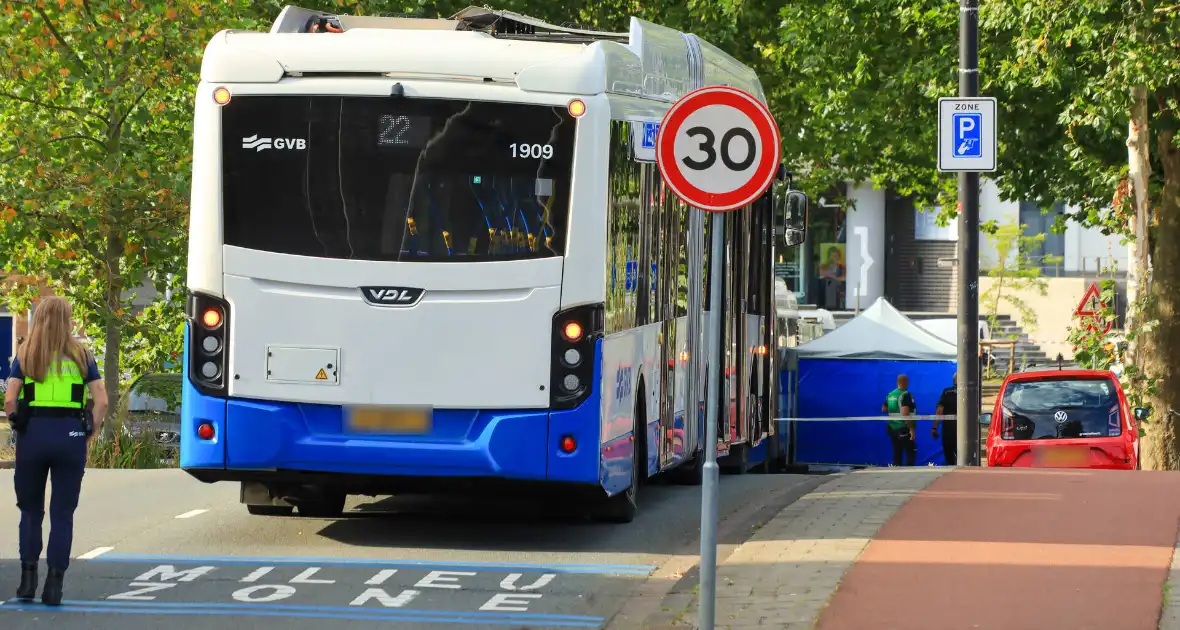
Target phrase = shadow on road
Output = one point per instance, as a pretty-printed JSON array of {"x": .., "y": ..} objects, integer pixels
[{"x": 668, "y": 519}]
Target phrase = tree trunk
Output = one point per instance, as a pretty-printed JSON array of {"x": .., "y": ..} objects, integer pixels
[
  {"x": 1139, "y": 168},
  {"x": 114, "y": 329},
  {"x": 1163, "y": 345}
]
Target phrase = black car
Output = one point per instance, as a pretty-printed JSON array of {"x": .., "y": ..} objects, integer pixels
[{"x": 152, "y": 403}]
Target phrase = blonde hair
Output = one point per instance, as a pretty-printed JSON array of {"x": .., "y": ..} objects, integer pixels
[{"x": 51, "y": 338}]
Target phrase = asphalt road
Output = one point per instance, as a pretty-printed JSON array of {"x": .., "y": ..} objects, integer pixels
[{"x": 157, "y": 548}]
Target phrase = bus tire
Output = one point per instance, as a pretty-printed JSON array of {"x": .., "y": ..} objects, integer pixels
[
  {"x": 329, "y": 505},
  {"x": 270, "y": 510},
  {"x": 690, "y": 473},
  {"x": 622, "y": 507}
]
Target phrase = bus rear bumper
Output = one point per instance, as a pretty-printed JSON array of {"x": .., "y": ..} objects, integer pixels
[{"x": 258, "y": 439}]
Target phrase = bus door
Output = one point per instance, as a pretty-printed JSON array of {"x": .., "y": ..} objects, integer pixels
[{"x": 673, "y": 235}]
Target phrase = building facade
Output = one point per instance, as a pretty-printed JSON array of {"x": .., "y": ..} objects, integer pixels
[{"x": 885, "y": 246}]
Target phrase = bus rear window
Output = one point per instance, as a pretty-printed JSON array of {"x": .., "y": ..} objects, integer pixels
[
  {"x": 384, "y": 179},
  {"x": 1060, "y": 408}
]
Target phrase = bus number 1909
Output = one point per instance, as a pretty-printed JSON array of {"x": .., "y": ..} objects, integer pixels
[{"x": 527, "y": 151}]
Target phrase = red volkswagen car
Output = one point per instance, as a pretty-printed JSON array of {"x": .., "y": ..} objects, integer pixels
[{"x": 1063, "y": 418}]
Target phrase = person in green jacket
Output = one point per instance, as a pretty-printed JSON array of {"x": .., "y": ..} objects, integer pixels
[{"x": 902, "y": 433}]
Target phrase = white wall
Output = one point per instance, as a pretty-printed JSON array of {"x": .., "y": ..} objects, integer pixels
[
  {"x": 1089, "y": 250},
  {"x": 992, "y": 208},
  {"x": 865, "y": 246},
  {"x": 1083, "y": 246}
]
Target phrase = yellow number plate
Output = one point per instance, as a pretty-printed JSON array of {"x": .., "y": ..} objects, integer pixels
[
  {"x": 1064, "y": 456},
  {"x": 413, "y": 420}
]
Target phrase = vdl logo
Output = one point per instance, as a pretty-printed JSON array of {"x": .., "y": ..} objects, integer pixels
[
  {"x": 392, "y": 296},
  {"x": 259, "y": 144}
]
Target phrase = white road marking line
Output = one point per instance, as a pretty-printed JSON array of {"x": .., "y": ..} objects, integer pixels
[
  {"x": 191, "y": 513},
  {"x": 94, "y": 553}
]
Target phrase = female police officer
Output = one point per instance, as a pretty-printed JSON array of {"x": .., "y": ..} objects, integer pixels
[{"x": 46, "y": 400}]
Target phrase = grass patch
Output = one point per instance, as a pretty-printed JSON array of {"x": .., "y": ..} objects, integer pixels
[{"x": 117, "y": 448}]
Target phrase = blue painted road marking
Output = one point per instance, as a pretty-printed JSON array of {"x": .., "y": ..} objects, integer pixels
[
  {"x": 650, "y": 131},
  {"x": 968, "y": 135},
  {"x": 599, "y": 569},
  {"x": 316, "y": 612}
]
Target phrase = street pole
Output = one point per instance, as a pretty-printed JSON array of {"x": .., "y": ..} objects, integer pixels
[
  {"x": 709, "y": 472},
  {"x": 967, "y": 416}
]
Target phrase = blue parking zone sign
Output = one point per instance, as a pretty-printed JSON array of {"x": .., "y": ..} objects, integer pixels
[
  {"x": 650, "y": 131},
  {"x": 968, "y": 135}
]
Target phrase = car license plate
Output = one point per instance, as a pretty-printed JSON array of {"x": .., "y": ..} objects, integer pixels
[
  {"x": 404, "y": 420},
  {"x": 1064, "y": 456}
]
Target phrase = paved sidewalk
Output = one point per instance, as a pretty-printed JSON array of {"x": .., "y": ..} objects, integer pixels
[
  {"x": 784, "y": 575},
  {"x": 945, "y": 548},
  {"x": 1170, "y": 616}
]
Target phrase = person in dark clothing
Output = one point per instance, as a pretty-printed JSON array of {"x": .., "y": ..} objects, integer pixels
[
  {"x": 948, "y": 405},
  {"x": 51, "y": 379},
  {"x": 902, "y": 433}
]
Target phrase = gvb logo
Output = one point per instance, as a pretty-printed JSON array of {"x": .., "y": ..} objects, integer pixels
[{"x": 259, "y": 144}]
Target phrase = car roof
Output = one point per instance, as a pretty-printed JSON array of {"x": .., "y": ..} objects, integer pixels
[{"x": 1051, "y": 374}]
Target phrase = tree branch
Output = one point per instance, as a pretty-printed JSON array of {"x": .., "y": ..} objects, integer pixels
[
  {"x": 79, "y": 137},
  {"x": 81, "y": 111},
  {"x": 62, "y": 40},
  {"x": 131, "y": 108}
]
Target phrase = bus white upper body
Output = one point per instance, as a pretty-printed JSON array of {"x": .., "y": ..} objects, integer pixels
[{"x": 398, "y": 225}]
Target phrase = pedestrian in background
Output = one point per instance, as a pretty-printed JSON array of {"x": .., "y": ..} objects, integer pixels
[
  {"x": 903, "y": 434},
  {"x": 46, "y": 404},
  {"x": 948, "y": 405}
]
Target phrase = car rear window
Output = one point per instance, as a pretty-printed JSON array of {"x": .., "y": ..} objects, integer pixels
[{"x": 1061, "y": 408}]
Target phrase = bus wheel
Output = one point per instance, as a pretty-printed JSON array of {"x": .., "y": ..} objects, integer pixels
[
  {"x": 328, "y": 505},
  {"x": 622, "y": 507},
  {"x": 691, "y": 473},
  {"x": 270, "y": 510}
]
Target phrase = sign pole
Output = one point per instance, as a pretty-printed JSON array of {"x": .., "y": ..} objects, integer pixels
[
  {"x": 711, "y": 475},
  {"x": 968, "y": 394},
  {"x": 718, "y": 150}
]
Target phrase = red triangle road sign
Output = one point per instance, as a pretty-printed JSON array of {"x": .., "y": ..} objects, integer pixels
[{"x": 1090, "y": 303}]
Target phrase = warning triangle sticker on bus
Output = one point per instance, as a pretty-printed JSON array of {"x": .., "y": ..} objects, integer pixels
[
  {"x": 1091, "y": 303},
  {"x": 321, "y": 375}
]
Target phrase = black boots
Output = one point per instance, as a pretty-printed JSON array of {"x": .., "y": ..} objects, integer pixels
[
  {"x": 28, "y": 581},
  {"x": 51, "y": 596}
]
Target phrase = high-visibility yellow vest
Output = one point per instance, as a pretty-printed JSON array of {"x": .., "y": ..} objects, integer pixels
[{"x": 63, "y": 388}]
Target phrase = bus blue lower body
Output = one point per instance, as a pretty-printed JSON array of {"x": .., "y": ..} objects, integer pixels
[{"x": 260, "y": 440}]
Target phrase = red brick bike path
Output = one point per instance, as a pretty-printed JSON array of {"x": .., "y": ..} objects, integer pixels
[{"x": 984, "y": 549}]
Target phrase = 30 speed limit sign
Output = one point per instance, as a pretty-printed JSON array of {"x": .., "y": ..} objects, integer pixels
[{"x": 718, "y": 148}]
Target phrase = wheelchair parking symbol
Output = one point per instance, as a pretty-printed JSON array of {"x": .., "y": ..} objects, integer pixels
[
  {"x": 650, "y": 131},
  {"x": 968, "y": 135}
]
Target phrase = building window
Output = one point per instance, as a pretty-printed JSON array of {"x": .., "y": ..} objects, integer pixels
[{"x": 817, "y": 270}]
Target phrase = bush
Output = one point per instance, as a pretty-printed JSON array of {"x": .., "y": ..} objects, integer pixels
[{"x": 119, "y": 448}]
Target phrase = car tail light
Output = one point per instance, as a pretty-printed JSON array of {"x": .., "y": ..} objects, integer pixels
[
  {"x": 568, "y": 444},
  {"x": 208, "y": 338},
  {"x": 206, "y": 432},
  {"x": 1007, "y": 426},
  {"x": 574, "y": 333}
]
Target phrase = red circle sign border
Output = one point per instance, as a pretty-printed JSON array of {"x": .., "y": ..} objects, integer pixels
[{"x": 763, "y": 121}]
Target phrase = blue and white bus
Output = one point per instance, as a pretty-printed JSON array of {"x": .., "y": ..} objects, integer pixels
[{"x": 436, "y": 254}]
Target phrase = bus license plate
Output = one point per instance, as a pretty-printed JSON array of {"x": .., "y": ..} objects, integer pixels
[{"x": 406, "y": 420}]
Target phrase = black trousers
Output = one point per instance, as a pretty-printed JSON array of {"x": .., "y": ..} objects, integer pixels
[
  {"x": 49, "y": 448},
  {"x": 950, "y": 442},
  {"x": 905, "y": 449}
]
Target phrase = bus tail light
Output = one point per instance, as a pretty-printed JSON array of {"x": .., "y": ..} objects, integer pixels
[
  {"x": 208, "y": 338},
  {"x": 574, "y": 333}
]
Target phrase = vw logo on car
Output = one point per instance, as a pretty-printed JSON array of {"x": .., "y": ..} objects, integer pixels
[{"x": 1061, "y": 417}]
